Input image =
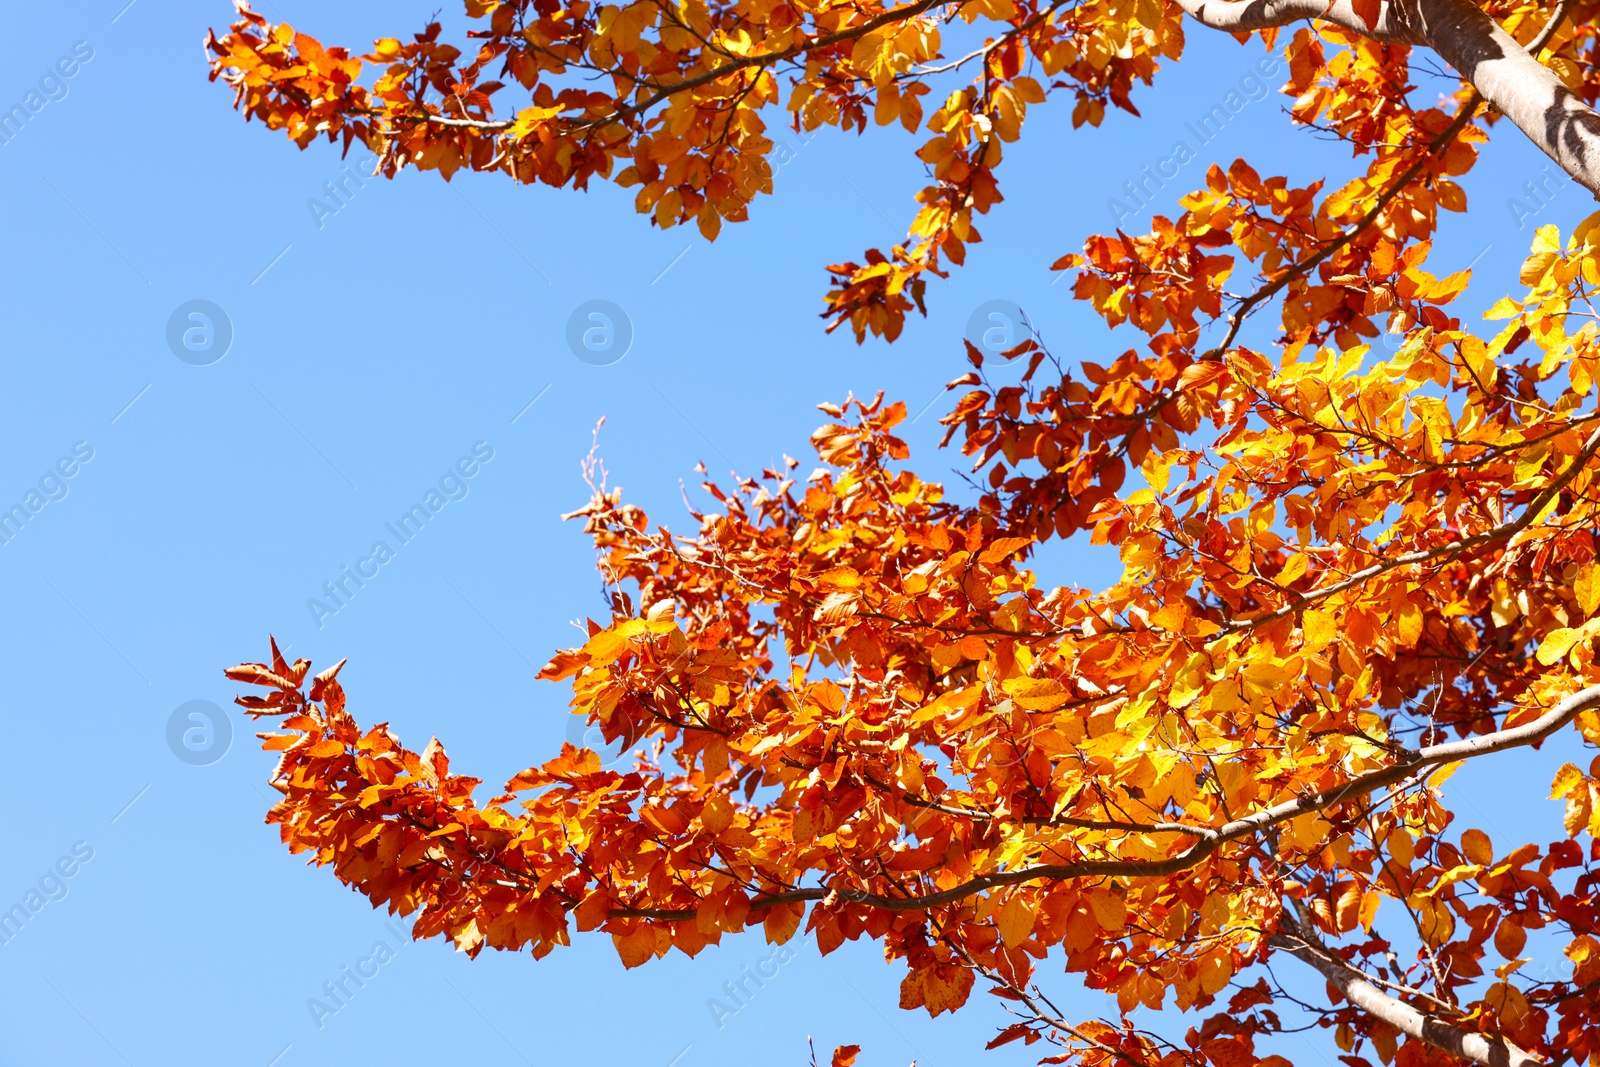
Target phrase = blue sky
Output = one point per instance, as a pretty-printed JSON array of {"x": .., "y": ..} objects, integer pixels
[{"x": 370, "y": 350}]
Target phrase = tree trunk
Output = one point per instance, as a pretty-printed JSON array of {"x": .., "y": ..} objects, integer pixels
[
  {"x": 1526, "y": 91},
  {"x": 1304, "y": 945},
  {"x": 1509, "y": 78}
]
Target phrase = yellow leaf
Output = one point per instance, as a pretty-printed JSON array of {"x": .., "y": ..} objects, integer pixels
[
  {"x": 1555, "y": 645},
  {"x": 1293, "y": 569},
  {"x": 468, "y": 939},
  {"x": 1436, "y": 922},
  {"x": 1587, "y": 588},
  {"x": 1438, "y": 777},
  {"x": 1401, "y": 847},
  {"x": 1447, "y": 288},
  {"x": 1581, "y": 949},
  {"x": 1156, "y": 471},
  {"x": 1186, "y": 686},
  {"x": 1535, "y": 266},
  {"x": 1503, "y": 308},
  {"x": 1016, "y": 920},
  {"x": 1409, "y": 620},
  {"x": 1566, "y": 778},
  {"x": 948, "y": 702},
  {"x": 1036, "y": 694},
  {"x": 1579, "y": 374},
  {"x": 840, "y": 578},
  {"x": 1171, "y": 617},
  {"x": 1318, "y": 628},
  {"x": 1547, "y": 239},
  {"x": 1579, "y": 808},
  {"x": 1109, "y": 910},
  {"x": 717, "y": 815},
  {"x": 604, "y": 647},
  {"x": 1029, "y": 89}
]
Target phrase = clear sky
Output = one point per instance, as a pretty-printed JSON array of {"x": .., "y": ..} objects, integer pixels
[{"x": 370, "y": 349}]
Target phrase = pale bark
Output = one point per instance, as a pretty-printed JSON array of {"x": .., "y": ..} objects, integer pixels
[
  {"x": 1526, "y": 91},
  {"x": 1301, "y": 942},
  {"x": 1236, "y": 16},
  {"x": 1508, "y": 77}
]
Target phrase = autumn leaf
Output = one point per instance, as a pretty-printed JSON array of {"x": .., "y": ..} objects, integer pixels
[
  {"x": 1016, "y": 920},
  {"x": 1358, "y": 555},
  {"x": 1555, "y": 645}
]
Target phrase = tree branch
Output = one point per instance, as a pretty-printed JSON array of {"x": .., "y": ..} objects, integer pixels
[
  {"x": 1425, "y": 555},
  {"x": 1241, "y": 16},
  {"x": 1305, "y": 945},
  {"x": 733, "y": 66},
  {"x": 1525, "y": 90},
  {"x": 1412, "y": 765},
  {"x": 1486, "y": 56}
]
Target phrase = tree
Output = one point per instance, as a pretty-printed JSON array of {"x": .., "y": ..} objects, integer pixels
[{"x": 1347, "y": 571}]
